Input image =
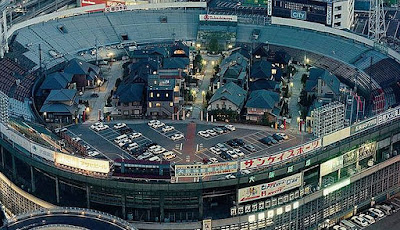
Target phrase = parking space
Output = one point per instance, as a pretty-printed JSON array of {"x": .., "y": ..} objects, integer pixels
[{"x": 169, "y": 132}]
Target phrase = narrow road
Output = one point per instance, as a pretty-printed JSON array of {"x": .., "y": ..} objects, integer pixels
[{"x": 294, "y": 107}]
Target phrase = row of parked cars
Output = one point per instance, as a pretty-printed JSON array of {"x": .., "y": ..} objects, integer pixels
[
  {"x": 366, "y": 218},
  {"x": 274, "y": 138},
  {"x": 234, "y": 152},
  {"x": 219, "y": 130},
  {"x": 156, "y": 124}
]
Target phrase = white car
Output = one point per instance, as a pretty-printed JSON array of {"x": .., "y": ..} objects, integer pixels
[
  {"x": 221, "y": 146},
  {"x": 230, "y": 127},
  {"x": 93, "y": 153},
  {"x": 76, "y": 139},
  {"x": 283, "y": 135},
  {"x": 124, "y": 142},
  {"x": 211, "y": 132},
  {"x": 359, "y": 221},
  {"x": 377, "y": 212},
  {"x": 238, "y": 152},
  {"x": 145, "y": 155},
  {"x": 232, "y": 154},
  {"x": 132, "y": 146},
  {"x": 96, "y": 124},
  {"x": 368, "y": 218},
  {"x": 100, "y": 128},
  {"x": 135, "y": 135},
  {"x": 215, "y": 150},
  {"x": 119, "y": 125},
  {"x": 230, "y": 176},
  {"x": 337, "y": 227},
  {"x": 159, "y": 150},
  {"x": 153, "y": 122},
  {"x": 177, "y": 136},
  {"x": 213, "y": 160},
  {"x": 203, "y": 134},
  {"x": 158, "y": 125},
  {"x": 168, "y": 128},
  {"x": 245, "y": 171},
  {"x": 155, "y": 158}
]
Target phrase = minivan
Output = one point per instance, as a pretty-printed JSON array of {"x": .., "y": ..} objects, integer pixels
[{"x": 348, "y": 225}]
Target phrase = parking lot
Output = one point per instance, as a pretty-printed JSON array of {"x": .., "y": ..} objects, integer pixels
[{"x": 190, "y": 149}]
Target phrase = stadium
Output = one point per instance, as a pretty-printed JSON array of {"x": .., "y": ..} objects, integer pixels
[{"x": 306, "y": 183}]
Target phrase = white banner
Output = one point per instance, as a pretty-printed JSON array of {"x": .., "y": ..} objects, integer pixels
[
  {"x": 282, "y": 156},
  {"x": 269, "y": 189},
  {"x": 331, "y": 166},
  {"x": 218, "y": 18},
  {"x": 329, "y": 14},
  {"x": 197, "y": 170},
  {"x": 42, "y": 152},
  {"x": 92, "y": 165}
]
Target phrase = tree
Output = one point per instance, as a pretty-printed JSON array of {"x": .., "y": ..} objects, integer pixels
[
  {"x": 213, "y": 46},
  {"x": 198, "y": 62},
  {"x": 304, "y": 78}
]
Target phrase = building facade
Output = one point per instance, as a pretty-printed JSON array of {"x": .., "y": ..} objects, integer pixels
[{"x": 327, "y": 119}]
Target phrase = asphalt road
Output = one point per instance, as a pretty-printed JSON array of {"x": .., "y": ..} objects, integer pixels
[{"x": 391, "y": 222}]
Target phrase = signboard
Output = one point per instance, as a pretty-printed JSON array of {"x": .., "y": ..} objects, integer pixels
[
  {"x": 331, "y": 166},
  {"x": 92, "y": 165},
  {"x": 329, "y": 14},
  {"x": 217, "y": 18},
  {"x": 363, "y": 125},
  {"x": 111, "y": 5},
  {"x": 388, "y": 116},
  {"x": 207, "y": 224},
  {"x": 205, "y": 170},
  {"x": 42, "y": 152},
  {"x": 298, "y": 14},
  {"x": 269, "y": 8},
  {"x": 269, "y": 189},
  {"x": 281, "y": 156}
]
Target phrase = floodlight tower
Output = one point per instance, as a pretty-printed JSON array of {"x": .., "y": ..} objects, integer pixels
[{"x": 376, "y": 23}]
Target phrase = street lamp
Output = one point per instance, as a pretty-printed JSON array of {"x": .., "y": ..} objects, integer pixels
[
  {"x": 204, "y": 62},
  {"x": 198, "y": 45},
  {"x": 203, "y": 93}
]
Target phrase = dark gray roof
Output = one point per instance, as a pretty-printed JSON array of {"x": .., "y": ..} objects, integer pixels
[
  {"x": 58, "y": 108},
  {"x": 264, "y": 84},
  {"x": 77, "y": 66},
  {"x": 59, "y": 95},
  {"x": 175, "y": 63},
  {"x": 230, "y": 92},
  {"x": 261, "y": 70},
  {"x": 262, "y": 99},
  {"x": 130, "y": 92},
  {"x": 317, "y": 73},
  {"x": 56, "y": 80}
]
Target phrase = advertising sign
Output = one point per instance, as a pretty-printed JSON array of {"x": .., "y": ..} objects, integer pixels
[
  {"x": 218, "y": 18},
  {"x": 363, "y": 125},
  {"x": 42, "y": 152},
  {"x": 111, "y": 5},
  {"x": 298, "y": 14},
  {"x": 269, "y": 189},
  {"x": 269, "y": 8},
  {"x": 205, "y": 170},
  {"x": 388, "y": 116},
  {"x": 331, "y": 166},
  {"x": 329, "y": 14},
  {"x": 281, "y": 156},
  {"x": 207, "y": 225},
  {"x": 92, "y": 165}
]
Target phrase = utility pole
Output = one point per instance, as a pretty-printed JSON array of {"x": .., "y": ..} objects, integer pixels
[{"x": 97, "y": 51}]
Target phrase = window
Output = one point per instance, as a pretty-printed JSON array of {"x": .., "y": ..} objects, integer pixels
[
  {"x": 158, "y": 95},
  {"x": 273, "y": 71},
  {"x": 151, "y": 94},
  {"x": 338, "y": 8},
  {"x": 166, "y": 95},
  {"x": 150, "y": 105},
  {"x": 337, "y": 16},
  {"x": 158, "y": 105},
  {"x": 337, "y": 24},
  {"x": 171, "y": 104}
]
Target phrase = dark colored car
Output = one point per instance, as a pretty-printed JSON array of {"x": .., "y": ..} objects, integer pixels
[
  {"x": 232, "y": 143},
  {"x": 266, "y": 141},
  {"x": 272, "y": 140},
  {"x": 239, "y": 142},
  {"x": 125, "y": 130},
  {"x": 250, "y": 148},
  {"x": 277, "y": 137}
]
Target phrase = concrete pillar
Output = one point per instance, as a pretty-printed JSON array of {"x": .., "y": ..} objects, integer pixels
[
  {"x": 14, "y": 168},
  {"x": 87, "y": 196},
  {"x": 212, "y": 118},
  {"x": 183, "y": 115},
  {"x": 33, "y": 184},
  {"x": 162, "y": 213},
  {"x": 123, "y": 199},
  {"x": 207, "y": 116},
  {"x": 201, "y": 115},
  {"x": 2, "y": 156},
  {"x": 57, "y": 191}
]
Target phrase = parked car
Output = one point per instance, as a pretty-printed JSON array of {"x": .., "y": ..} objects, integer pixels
[
  {"x": 215, "y": 150},
  {"x": 158, "y": 125},
  {"x": 119, "y": 125},
  {"x": 203, "y": 134},
  {"x": 240, "y": 142},
  {"x": 359, "y": 221},
  {"x": 273, "y": 141},
  {"x": 153, "y": 122},
  {"x": 167, "y": 128},
  {"x": 250, "y": 148},
  {"x": 96, "y": 124},
  {"x": 230, "y": 176},
  {"x": 238, "y": 152},
  {"x": 245, "y": 171},
  {"x": 155, "y": 158},
  {"x": 211, "y": 132},
  {"x": 213, "y": 160},
  {"x": 376, "y": 212},
  {"x": 266, "y": 141},
  {"x": 277, "y": 137},
  {"x": 230, "y": 127},
  {"x": 177, "y": 136},
  {"x": 132, "y": 146},
  {"x": 283, "y": 135},
  {"x": 367, "y": 217},
  {"x": 232, "y": 154},
  {"x": 169, "y": 155},
  {"x": 232, "y": 143},
  {"x": 337, "y": 227},
  {"x": 135, "y": 135},
  {"x": 218, "y": 130},
  {"x": 145, "y": 155},
  {"x": 384, "y": 208},
  {"x": 221, "y": 146}
]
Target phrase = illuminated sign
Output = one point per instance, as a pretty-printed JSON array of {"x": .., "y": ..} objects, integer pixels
[
  {"x": 269, "y": 8},
  {"x": 205, "y": 170},
  {"x": 382, "y": 118},
  {"x": 298, "y": 14},
  {"x": 336, "y": 186},
  {"x": 218, "y": 18},
  {"x": 329, "y": 14},
  {"x": 92, "y": 165},
  {"x": 331, "y": 166},
  {"x": 281, "y": 156},
  {"x": 388, "y": 116},
  {"x": 269, "y": 189}
]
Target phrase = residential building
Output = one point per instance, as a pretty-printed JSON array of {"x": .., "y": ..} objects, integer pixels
[
  {"x": 129, "y": 99},
  {"x": 263, "y": 69},
  {"x": 85, "y": 75},
  {"x": 232, "y": 69},
  {"x": 230, "y": 96},
  {"x": 260, "y": 84},
  {"x": 56, "y": 80},
  {"x": 327, "y": 119},
  {"x": 263, "y": 104},
  {"x": 322, "y": 84},
  {"x": 61, "y": 106}
]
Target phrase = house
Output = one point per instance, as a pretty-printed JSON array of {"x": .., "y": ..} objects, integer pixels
[
  {"x": 261, "y": 52},
  {"x": 322, "y": 84},
  {"x": 263, "y": 103},
  {"x": 232, "y": 69},
  {"x": 163, "y": 96},
  {"x": 179, "y": 49},
  {"x": 85, "y": 75},
  {"x": 181, "y": 63},
  {"x": 263, "y": 69},
  {"x": 60, "y": 106},
  {"x": 57, "y": 80},
  {"x": 129, "y": 99},
  {"x": 230, "y": 96},
  {"x": 264, "y": 84}
]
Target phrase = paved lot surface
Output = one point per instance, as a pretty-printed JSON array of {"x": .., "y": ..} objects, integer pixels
[{"x": 193, "y": 148}]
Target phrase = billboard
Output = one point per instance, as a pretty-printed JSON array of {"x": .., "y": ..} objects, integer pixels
[
  {"x": 111, "y": 5},
  {"x": 217, "y": 18},
  {"x": 42, "y": 152},
  {"x": 269, "y": 189},
  {"x": 336, "y": 136},
  {"x": 331, "y": 166},
  {"x": 329, "y": 14},
  {"x": 382, "y": 118},
  {"x": 205, "y": 170},
  {"x": 281, "y": 156},
  {"x": 92, "y": 165},
  {"x": 298, "y": 14}
]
